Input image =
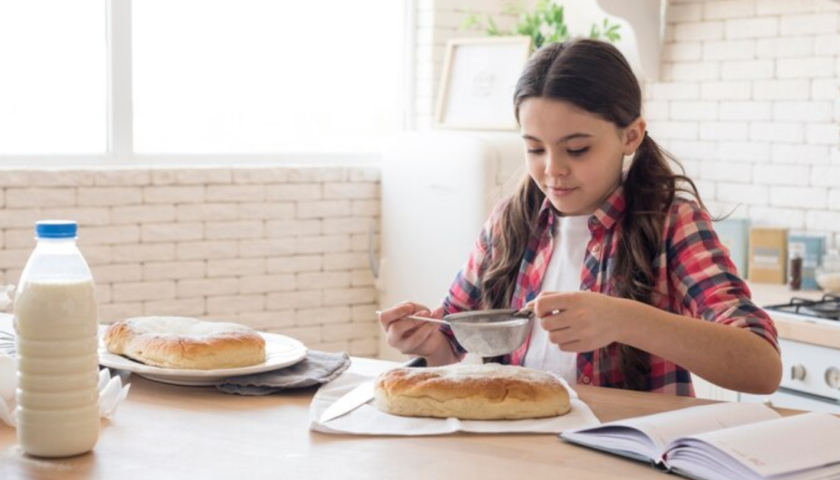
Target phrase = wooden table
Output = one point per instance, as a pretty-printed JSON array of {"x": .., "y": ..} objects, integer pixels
[{"x": 164, "y": 431}]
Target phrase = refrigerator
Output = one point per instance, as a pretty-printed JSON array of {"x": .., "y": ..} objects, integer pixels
[{"x": 438, "y": 189}]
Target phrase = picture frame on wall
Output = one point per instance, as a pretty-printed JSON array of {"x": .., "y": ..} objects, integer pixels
[{"x": 478, "y": 81}]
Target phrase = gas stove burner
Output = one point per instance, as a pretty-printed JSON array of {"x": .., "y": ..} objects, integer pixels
[{"x": 827, "y": 308}]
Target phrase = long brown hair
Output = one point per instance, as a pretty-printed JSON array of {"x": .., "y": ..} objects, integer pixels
[{"x": 595, "y": 77}]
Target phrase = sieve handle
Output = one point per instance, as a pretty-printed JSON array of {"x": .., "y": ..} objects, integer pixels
[
  {"x": 427, "y": 319},
  {"x": 422, "y": 319}
]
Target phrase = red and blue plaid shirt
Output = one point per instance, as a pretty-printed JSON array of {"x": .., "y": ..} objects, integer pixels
[{"x": 694, "y": 277}]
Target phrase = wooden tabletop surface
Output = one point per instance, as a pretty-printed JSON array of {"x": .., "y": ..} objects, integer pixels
[{"x": 165, "y": 431}]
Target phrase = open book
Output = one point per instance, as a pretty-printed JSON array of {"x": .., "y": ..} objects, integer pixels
[{"x": 725, "y": 441}]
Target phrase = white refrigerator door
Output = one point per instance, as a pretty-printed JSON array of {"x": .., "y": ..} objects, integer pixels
[{"x": 437, "y": 191}]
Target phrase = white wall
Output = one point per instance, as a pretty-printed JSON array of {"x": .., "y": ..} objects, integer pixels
[{"x": 749, "y": 100}]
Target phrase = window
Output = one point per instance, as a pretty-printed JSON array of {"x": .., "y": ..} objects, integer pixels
[
  {"x": 258, "y": 76},
  {"x": 206, "y": 76},
  {"x": 53, "y": 76}
]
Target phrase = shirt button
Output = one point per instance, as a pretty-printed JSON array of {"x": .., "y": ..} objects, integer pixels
[
  {"x": 586, "y": 380},
  {"x": 596, "y": 249}
]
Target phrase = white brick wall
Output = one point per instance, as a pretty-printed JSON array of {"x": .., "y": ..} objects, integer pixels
[
  {"x": 750, "y": 98},
  {"x": 280, "y": 249}
]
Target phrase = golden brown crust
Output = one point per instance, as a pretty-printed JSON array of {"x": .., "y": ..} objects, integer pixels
[
  {"x": 185, "y": 343},
  {"x": 480, "y": 392}
]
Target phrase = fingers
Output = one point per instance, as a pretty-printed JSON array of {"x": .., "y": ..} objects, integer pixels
[
  {"x": 403, "y": 328},
  {"x": 556, "y": 321},
  {"x": 397, "y": 312},
  {"x": 406, "y": 335},
  {"x": 563, "y": 339},
  {"x": 549, "y": 303},
  {"x": 411, "y": 340},
  {"x": 560, "y": 327},
  {"x": 415, "y": 339}
]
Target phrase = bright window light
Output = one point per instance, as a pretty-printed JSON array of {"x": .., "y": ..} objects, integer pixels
[
  {"x": 264, "y": 76},
  {"x": 53, "y": 77}
]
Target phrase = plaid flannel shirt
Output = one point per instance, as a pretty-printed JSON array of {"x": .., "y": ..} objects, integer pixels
[{"x": 694, "y": 277}]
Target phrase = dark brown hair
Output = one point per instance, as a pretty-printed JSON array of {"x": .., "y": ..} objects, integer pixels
[{"x": 593, "y": 76}]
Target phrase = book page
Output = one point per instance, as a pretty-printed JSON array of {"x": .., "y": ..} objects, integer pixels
[
  {"x": 662, "y": 428},
  {"x": 800, "y": 446},
  {"x": 650, "y": 435}
]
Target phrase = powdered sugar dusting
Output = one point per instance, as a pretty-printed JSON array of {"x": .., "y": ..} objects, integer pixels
[
  {"x": 184, "y": 327},
  {"x": 491, "y": 339},
  {"x": 460, "y": 371}
]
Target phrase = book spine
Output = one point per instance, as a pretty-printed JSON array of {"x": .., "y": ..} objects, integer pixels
[{"x": 660, "y": 465}]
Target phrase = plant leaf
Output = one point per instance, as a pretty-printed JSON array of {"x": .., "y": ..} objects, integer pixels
[
  {"x": 492, "y": 28},
  {"x": 471, "y": 22},
  {"x": 546, "y": 23}
]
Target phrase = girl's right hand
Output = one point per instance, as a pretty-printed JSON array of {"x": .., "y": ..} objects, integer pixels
[{"x": 414, "y": 337}]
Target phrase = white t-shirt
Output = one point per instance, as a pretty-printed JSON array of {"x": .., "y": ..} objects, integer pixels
[{"x": 571, "y": 236}]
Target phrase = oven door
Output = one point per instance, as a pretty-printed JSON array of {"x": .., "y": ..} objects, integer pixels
[{"x": 784, "y": 398}]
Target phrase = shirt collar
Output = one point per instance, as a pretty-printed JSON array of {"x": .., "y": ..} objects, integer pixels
[
  {"x": 605, "y": 216},
  {"x": 610, "y": 210}
]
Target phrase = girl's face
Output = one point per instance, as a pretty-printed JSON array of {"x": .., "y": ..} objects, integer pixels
[{"x": 574, "y": 156}]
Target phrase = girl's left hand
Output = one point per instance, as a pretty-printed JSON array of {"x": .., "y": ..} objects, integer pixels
[{"x": 580, "y": 321}]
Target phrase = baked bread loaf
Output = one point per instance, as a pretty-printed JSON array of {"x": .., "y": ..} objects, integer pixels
[
  {"x": 185, "y": 343},
  {"x": 471, "y": 392}
]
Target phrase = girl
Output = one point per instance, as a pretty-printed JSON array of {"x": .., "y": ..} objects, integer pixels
[{"x": 617, "y": 266}]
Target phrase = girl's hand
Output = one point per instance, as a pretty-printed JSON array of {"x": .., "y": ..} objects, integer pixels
[
  {"x": 413, "y": 337},
  {"x": 580, "y": 321}
]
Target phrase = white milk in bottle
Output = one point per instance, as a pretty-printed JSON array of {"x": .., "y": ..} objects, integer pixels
[{"x": 58, "y": 367}]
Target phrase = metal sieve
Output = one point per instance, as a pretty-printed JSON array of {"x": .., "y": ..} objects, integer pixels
[
  {"x": 490, "y": 333},
  {"x": 487, "y": 333}
]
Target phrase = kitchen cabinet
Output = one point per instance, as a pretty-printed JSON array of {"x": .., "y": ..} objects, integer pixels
[
  {"x": 708, "y": 390},
  {"x": 816, "y": 334},
  {"x": 763, "y": 295}
]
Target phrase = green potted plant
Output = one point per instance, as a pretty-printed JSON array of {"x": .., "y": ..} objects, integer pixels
[{"x": 546, "y": 24}]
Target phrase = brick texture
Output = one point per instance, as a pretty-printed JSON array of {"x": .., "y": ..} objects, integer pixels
[{"x": 272, "y": 248}]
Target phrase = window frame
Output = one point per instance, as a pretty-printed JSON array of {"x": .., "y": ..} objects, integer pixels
[{"x": 120, "y": 122}]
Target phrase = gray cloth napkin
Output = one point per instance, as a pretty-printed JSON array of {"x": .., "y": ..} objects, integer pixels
[{"x": 316, "y": 369}]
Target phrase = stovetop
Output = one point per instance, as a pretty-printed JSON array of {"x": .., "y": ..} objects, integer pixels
[{"x": 828, "y": 308}]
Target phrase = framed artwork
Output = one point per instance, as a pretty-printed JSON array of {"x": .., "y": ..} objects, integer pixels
[{"x": 479, "y": 77}]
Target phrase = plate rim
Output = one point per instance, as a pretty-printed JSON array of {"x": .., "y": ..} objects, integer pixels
[{"x": 296, "y": 354}]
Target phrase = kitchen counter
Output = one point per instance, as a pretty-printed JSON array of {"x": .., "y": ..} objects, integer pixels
[{"x": 824, "y": 335}]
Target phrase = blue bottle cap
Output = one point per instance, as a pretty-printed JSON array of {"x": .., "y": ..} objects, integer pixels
[{"x": 55, "y": 229}]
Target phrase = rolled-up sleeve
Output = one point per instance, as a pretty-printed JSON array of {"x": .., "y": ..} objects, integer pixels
[{"x": 705, "y": 279}]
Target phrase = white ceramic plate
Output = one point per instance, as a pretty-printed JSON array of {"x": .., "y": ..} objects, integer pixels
[{"x": 280, "y": 351}]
